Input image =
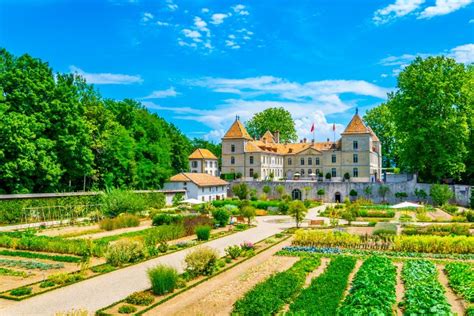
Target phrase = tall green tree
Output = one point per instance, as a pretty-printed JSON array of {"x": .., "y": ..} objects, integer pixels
[
  {"x": 430, "y": 112},
  {"x": 380, "y": 121},
  {"x": 273, "y": 119}
]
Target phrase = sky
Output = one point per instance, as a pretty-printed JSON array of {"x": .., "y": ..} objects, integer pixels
[{"x": 200, "y": 63}]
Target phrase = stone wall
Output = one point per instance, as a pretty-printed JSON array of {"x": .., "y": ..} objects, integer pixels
[{"x": 461, "y": 192}]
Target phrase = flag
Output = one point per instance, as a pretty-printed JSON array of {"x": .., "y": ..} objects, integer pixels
[
  {"x": 312, "y": 128},
  {"x": 333, "y": 127}
]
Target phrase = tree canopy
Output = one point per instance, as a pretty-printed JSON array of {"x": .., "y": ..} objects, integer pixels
[
  {"x": 273, "y": 120},
  {"x": 58, "y": 133}
]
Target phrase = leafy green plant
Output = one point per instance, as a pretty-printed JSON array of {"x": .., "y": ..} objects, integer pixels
[
  {"x": 201, "y": 261},
  {"x": 21, "y": 291},
  {"x": 373, "y": 289},
  {"x": 121, "y": 221},
  {"x": 423, "y": 292},
  {"x": 461, "y": 279},
  {"x": 30, "y": 264},
  {"x": 9, "y": 272},
  {"x": 269, "y": 296},
  {"x": 140, "y": 298},
  {"x": 221, "y": 216},
  {"x": 35, "y": 255},
  {"x": 118, "y": 201},
  {"x": 166, "y": 219},
  {"x": 384, "y": 229},
  {"x": 163, "y": 279},
  {"x": 322, "y": 297},
  {"x": 124, "y": 251},
  {"x": 233, "y": 251},
  {"x": 46, "y": 284},
  {"x": 440, "y": 194},
  {"x": 65, "y": 278},
  {"x": 203, "y": 232},
  {"x": 127, "y": 309}
]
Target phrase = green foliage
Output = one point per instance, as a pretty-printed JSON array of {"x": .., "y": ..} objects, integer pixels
[
  {"x": 328, "y": 176},
  {"x": 127, "y": 309},
  {"x": 383, "y": 190},
  {"x": 273, "y": 120},
  {"x": 297, "y": 210},
  {"x": 280, "y": 189},
  {"x": 401, "y": 195},
  {"x": 124, "y": 251},
  {"x": 241, "y": 190},
  {"x": 373, "y": 289},
  {"x": 163, "y": 279},
  {"x": 121, "y": 221},
  {"x": 221, "y": 216},
  {"x": 203, "y": 232},
  {"x": 440, "y": 194},
  {"x": 140, "y": 298},
  {"x": 36, "y": 255},
  {"x": 423, "y": 292},
  {"x": 117, "y": 202},
  {"x": 347, "y": 176},
  {"x": 321, "y": 192},
  {"x": 248, "y": 212},
  {"x": 65, "y": 278},
  {"x": 269, "y": 296},
  {"x": 166, "y": 219},
  {"x": 233, "y": 251},
  {"x": 421, "y": 194},
  {"x": 430, "y": 112},
  {"x": 383, "y": 229},
  {"x": 201, "y": 261},
  {"x": 178, "y": 198},
  {"x": 266, "y": 189},
  {"x": 353, "y": 193},
  {"x": 322, "y": 297},
  {"x": 10, "y": 272},
  {"x": 368, "y": 191},
  {"x": 22, "y": 291},
  {"x": 58, "y": 134},
  {"x": 461, "y": 279},
  {"x": 438, "y": 230}
]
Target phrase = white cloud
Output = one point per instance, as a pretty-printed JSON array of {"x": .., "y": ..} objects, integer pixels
[
  {"x": 232, "y": 44},
  {"x": 218, "y": 18},
  {"x": 159, "y": 94},
  {"x": 205, "y": 10},
  {"x": 384, "y": 75},
  {"x": 194, "y": 35},
  {"x": 463, "y": 53},
  {"x": 240, "y": 9},
  {"x": 106, "y": 78},
  {"x": 471, "y": 21},
  {"x": 171, "y": 5},
  {"x": 201, "y": 25},
  {"x": 396, "y": 10},
  {"x": 161, "y": 23},
  {"x": 147, "y": 16},
  {"x": 443, "y": 7},
  {"x": 231, "y": 36}
]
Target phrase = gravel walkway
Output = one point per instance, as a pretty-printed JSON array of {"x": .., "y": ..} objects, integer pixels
[{"x": 104, "y": 290}]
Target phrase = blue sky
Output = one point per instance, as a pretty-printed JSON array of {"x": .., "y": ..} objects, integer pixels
[{"x": 200, "y": 63}]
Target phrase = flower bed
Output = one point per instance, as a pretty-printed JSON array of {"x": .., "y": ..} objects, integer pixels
[
  {"x": 423, "y": 292},
  {"x": 322, "y": 297},
  {"x": 373, "y": 289},
  {"x": 269, "y": 296}
]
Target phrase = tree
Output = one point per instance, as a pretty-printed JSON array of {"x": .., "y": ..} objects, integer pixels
[
  {"x": 350, "y": 213},
  {"x": 368, "y": 191},
  {"x": 280, "y": 190},
  {"x": 297, "y": 210},
  {"x": 241, "y": 190},
  {"x": 334, "y": 215},
  {"x": 221, "y": 216},
  {"x": 273, "y": 120},
  {"x": 347, "y": 176},
  {"x": 379, "y": 119},
  {"x": 353, "y": 194},
  {"x": 421, "y": 194},
  {"x": 255, "y": 175},
  {"x": 328, "y": 176},
  {"x": 401, "y": 195},
  {"x": 440, "y": 194},
  {"x": 383, "y": 190},
  {"x": 248, "y": 212},
  {"x": 430, "y": 113},
  {"x": 266, "y": 189},
  {"x": 307, "y": 191},
  {"x": 320, "y": 193},
  {"x": 178, "y": 198}
]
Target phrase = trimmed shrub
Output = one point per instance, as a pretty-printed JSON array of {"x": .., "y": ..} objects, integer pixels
[
  {"x": 440, "y": 194},
  {"x": 140, "y": 298},
  {"x": 121, "y": 221},
  {"x": 233, "y": 251},
  {"x": 201, "y": 261},
  {"x": 65, "y": 278},
  {"x": 21, "y": 291},
  {"x": 127, "y": 309},
  {"x": 221, "y": 216},
  {"x": 203, "y": 232},
  {"x": 163, "y": 279},
  {"x": 124, "y": 251},
  {"x": 166, "y": 219}
]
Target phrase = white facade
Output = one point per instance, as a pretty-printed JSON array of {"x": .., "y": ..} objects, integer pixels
[
  {"x": 201, "y": 193},
  {"x": 209, "y": 166}
]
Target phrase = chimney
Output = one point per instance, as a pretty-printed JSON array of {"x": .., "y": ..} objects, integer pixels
[{"x": 277, "y": 137}]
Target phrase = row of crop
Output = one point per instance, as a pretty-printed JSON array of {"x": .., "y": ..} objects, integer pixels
[
  {"x": 461, "y": 279},
  {"x": 30, "y": 264},
  {"x": 322, "y": 297},
  {"x": 263, "y": 205},
  {"x": 373, "y": 289},
  {"x": 375, "y": 213},
  {"x": 438, "y": 230},
  {"x": 423, "y": 292},
  {"x": 269, "y": 296},
  {"x": 36, "y": 255},
  {"x": 427, "y": 244}
]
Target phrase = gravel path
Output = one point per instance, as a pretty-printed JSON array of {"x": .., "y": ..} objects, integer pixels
[{"x": 104, "y": 290}]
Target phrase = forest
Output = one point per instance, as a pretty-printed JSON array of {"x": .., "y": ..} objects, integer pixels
[{"x": 57, "y": 133}]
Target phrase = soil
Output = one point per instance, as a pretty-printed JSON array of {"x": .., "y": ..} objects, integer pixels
[
  {"x": 360, "y": 230},
  {"x": 143, "y": 225},
  {"x": 440, "y": 215},
  {"x": 351, "y": 277},
  {"x": 64, "y": 230},
  {"x": 399, "y": 289},
  {"x": 458, "y": 305},
  {"x": 217, "y": 296}
]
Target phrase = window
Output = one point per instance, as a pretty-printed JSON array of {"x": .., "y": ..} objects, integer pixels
[
  {"x": 355, "y": 145},
  {"x": 302, "y": 161},
  {"x": 317, "y": 161},
  {"x": 251, "y": 172},
  {"x": 195, "y": 164},
  {"x": 310, "y": 172},
  {"x": 333, "y": 172},
  {"x": 302, "y": 172},
  {"x": 251, "y": 160},
  {"x": 232, "y": 160},
  {"x": 289, "y": 161},
  {"x": 355, "y": 158},
  {"x": 310, "y": 161},
  {"x": 355, "y": 172},
  {"x": 232, "y": 148},
  {"x": 333, "y": 158}
]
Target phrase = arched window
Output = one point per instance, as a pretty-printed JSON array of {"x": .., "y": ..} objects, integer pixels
[
  {"x": 310, "y": 172},
  {"x": 232, "y": 160}
]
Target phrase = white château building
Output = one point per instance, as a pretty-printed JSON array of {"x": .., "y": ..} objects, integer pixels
[
  {"x": 357, "y": 153},
  {"x": 203, "y": 161}
]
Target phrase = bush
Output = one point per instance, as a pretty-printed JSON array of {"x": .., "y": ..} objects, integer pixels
[
  {"x": 127, "y": 309},
  {"x": 163, "y": 279},
  {"x": 440, "y": 194},
  {"x": 46, "y": 284},
  {"x": 233, "y": 251},
  {"x": 140, "y": 298},
  {"x": 201, "y": 261},
  {"x": 166, "y": 219},
  {"x": 21, "y": 291},
  {"x": 385, "y": 229},
  {"x": 65, "y": 278},
  {"x": 221, "y": 216},
  {"x": 449, "y": 208},
  {"x": 124, "y": 251},
  {"x": 203, "y": 232},
  {"x": 118, "y": 201},
  {"x": 121, "y": 221},
  {"x": 438, "y": 230},
  {"x": 191, "y": 222}
]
